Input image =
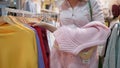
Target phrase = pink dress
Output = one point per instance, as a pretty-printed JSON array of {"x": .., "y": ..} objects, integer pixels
[{"x": 78, "y": 33}]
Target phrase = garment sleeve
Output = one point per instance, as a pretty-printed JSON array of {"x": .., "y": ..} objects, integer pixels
[
  {"x": 74, "y": 40},
  {"x": 97, "y": 10}
]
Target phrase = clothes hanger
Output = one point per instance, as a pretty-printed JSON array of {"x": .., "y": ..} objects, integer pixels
[
  {"x": 5, "y": 19},
  {"x": 18, "y": 19},
  {"x": 2, "y": 21}
]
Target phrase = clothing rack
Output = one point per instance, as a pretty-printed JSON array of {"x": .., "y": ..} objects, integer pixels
[
  {"x": 6, "y": 10},
  {"x": 49, "y": 11},
  {"x": 45, "y": 15},
  {"x": 43, "y": 11}
]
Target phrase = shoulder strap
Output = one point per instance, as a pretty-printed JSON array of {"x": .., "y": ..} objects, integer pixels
[{"x": 90, "y": 9}]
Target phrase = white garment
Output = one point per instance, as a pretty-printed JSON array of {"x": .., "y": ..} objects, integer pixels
[
  {"x": 50, "y": 35},
  {"x": 70, "y": 40},
  {"x": 32, "y": 6},
  {"x": 82, "y": 14}
]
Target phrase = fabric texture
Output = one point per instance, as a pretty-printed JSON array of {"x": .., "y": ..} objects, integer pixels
[
  {"x": 78, "y": 33},
  {"x": 44, "y": 36},
  {"x": 111, "y": 59},
  {"x": 39, "y": 50},
  {"x": 41, "y": 62},
  {"x": 18, "y": 47},
  {"x": 75, "y": 40},
  {"x": 118, "y": 50},
  {"x": 44, "y": 50}
]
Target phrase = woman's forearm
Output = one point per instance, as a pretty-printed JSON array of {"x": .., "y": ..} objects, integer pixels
[{"x": 49, "y": 27}]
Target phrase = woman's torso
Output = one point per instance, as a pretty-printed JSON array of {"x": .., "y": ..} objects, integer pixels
[{"x": 77, "y": 16}]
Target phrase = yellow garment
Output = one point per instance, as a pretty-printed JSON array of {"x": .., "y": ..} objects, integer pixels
[
  {"x": 17, "y": 47},
  {"x": 21, "y": 24},
  {"x": 86, "y": 55},
  {"x": 106, "y": 23}
]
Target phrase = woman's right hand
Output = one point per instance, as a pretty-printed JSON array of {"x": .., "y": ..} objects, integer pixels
[
  {"x": 46, "y": 26},
  {"x": 39, "y": 24}
]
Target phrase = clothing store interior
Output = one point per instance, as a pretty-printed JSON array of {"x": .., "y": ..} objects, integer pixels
[{"x": 59, "y": 33}]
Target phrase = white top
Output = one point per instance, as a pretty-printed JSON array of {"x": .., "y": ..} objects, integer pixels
[
  {"x": 81, "y": 14},
  {"x": 71, "y": 41}
]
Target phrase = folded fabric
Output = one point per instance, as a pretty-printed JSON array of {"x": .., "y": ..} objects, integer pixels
[{"x": 74, "y": 40}]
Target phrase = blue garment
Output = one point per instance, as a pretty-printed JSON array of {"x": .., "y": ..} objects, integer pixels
[
  {"x": 112, "y": 57},
  {"x": 40, "y": 56},
  {"x": 118, "y": 49}
]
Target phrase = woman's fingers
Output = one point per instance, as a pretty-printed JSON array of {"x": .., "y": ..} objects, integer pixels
[
  {"x": 36, "y": 24},
  {"x": 39, "y": 24}
]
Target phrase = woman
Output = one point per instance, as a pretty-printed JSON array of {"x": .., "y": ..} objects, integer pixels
[{"x": 77, "y": 39}]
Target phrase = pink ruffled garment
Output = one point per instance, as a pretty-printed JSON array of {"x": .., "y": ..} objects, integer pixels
[{"x": 77, "y": 34}]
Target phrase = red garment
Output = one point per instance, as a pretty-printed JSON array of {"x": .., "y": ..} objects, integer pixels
[
  {"x": 44, "y": 35},
  {"x": 115, "y": 10},
  {"x": 44, "y": 45}
]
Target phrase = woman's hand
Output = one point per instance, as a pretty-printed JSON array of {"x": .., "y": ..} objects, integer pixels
[
  {"x": 41, "y": 24},
  {"x": 46, "y": 26}
]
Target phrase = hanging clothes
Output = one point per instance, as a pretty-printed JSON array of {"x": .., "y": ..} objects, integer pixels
[
  {"x": 44, "y": 36},
  {"x": 39, "y": 49},
  {"x": 32, "y": 52},
  {"x": 45, "y": 51},
  {"x": 18, "y": 47},
  {"x": 112, "y": 57},
  {"x": 42, "y": 39},
  {"x": 44, "y": 45}
]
